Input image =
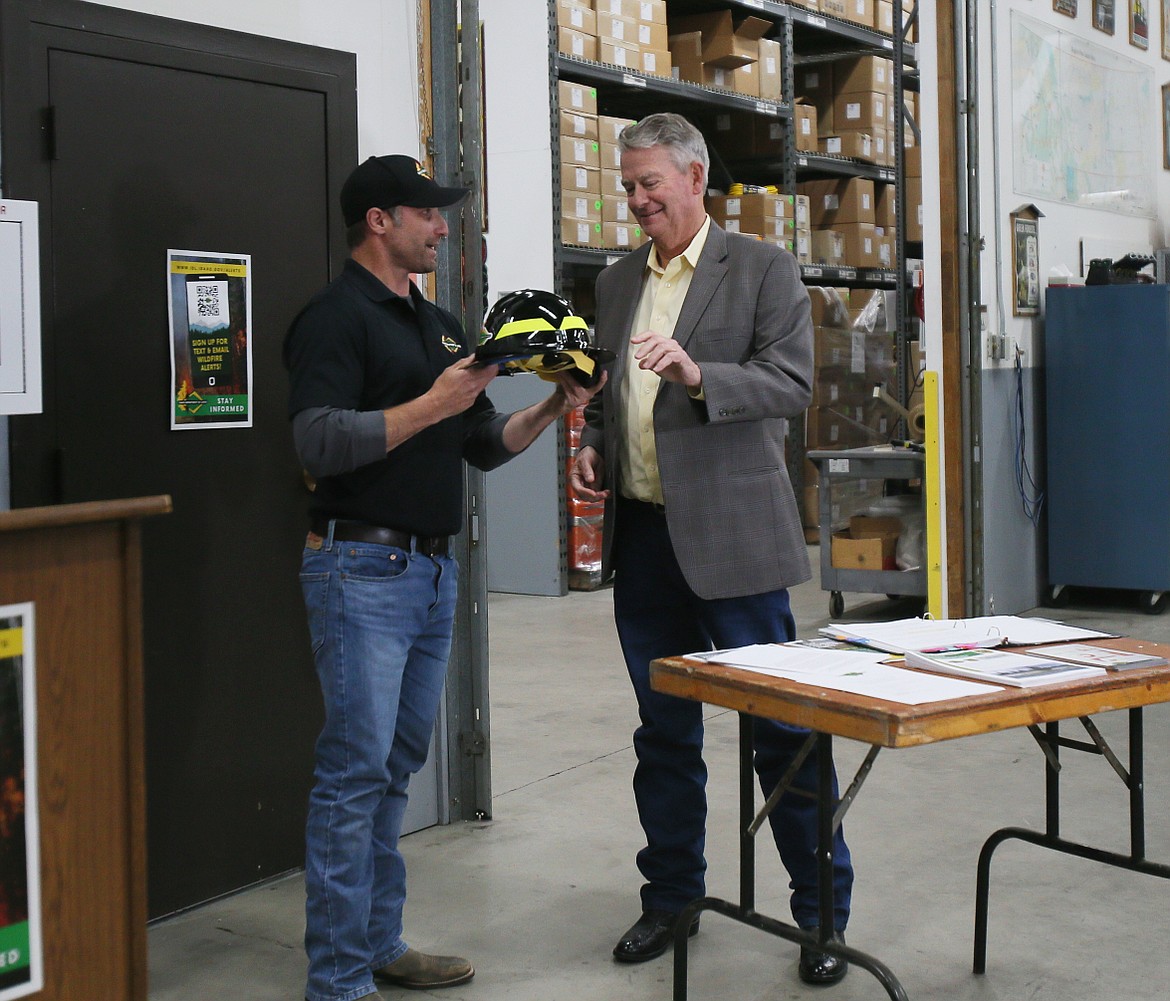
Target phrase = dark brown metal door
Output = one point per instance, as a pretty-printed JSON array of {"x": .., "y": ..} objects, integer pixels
[{"x": 138, "y": 135}]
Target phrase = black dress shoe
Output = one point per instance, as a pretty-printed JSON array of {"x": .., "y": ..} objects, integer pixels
[
  {"x": 649, "y": 937},
  {"x": 820, "y": 968}
]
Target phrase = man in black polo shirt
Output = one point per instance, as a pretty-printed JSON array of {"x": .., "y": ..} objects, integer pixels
[{"x": 386, "y": 405}]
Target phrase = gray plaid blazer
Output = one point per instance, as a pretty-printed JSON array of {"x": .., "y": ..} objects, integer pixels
[{"x": 746, "y": 321}]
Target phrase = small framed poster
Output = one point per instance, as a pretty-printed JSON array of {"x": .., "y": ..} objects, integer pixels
[
  {"x": 1066, "y": 7},
  {"x": 1139, "y": 24},
  {"x": 1166, "y": 29},
  {"x": 1166, "y": 126},
  {"x": 1103, "y": 16},
  {"x": 1026, "y": 260}
]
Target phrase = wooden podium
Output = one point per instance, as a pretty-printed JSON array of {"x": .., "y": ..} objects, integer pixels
[{"x": 80, "y": 566}]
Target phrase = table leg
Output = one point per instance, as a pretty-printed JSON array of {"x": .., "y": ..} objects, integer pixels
[
  {"x": 745, "y": 912},
  {"x": 1051, "y": 839}
]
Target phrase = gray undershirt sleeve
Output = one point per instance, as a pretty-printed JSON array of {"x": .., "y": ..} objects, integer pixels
[{"x": 331, "y": 441}]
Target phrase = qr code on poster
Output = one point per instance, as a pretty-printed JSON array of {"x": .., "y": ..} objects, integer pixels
[{"x": 207, "y": 304}]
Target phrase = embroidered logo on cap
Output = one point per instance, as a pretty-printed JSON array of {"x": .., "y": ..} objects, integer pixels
[{"x": 422, "y": 171}]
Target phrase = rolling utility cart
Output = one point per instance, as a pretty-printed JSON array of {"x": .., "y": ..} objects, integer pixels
[{"x": 884, "y": 462}]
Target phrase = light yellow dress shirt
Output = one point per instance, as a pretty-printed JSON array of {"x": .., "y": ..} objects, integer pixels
[{"x": 663, "y": 292}]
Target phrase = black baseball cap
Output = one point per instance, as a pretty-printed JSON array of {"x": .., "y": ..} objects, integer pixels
[{"x": 386, "y": 181}]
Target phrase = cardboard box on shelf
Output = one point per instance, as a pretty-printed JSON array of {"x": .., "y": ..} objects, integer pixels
[
  {"x": 885, "y": 205},
  {"x": 581, "y": 232},
  {"x": 827, "y": 248},
  {"x": 725, "y": 43},
  {"x": 864, "y": 73},
  {"x": 861, "y": 110},
  {"x": 871, "y": 552},
  {"x": 814, "y": 82},
  {"x": 732, "y": 134},
  {"x": 622, "y": 235},
  {"x": 802, "y": 247},
  {"x": 611, "y": 183},
  {"x": 576, "y": 43},
  {"x": 615, "y": 208},
  {"x": 575, "y": 177},
  {"x": 626, "y": 55},
  {"x": 617, "y": 28},
  {"x": 771, "y": 76},
  {"x": 835, "y": 8},
  {"x": 860, "y": 244},
  {"x": 686, "y": 55},
  {"x": 579, "y": 97},
  {"x": 610, "y": 156},
  {"x": 859, "y": 12},
  {"x": 752, "y": 203},
  {"x": 914, "y": 209},
  {"x": 858, "y": 145},
  {"x": 582, "y": 152},
  {"x": 830, "y": 306},
  {"x": 578, "y": 126},
  {"x": 581, "y": 205},
  {"x": 651, "y": 35},
  {"x": 802, "y": 213},
  {"x": 804, "y": 120},
  {"x": 577, "y": 15},
  {"x": 656, "y": 62},
  {"x": 609, "y": 127},
  {"x": 769, "y": 227},
  {"x": 883, "y": 16},
  {"x": 912, "y": 162},
  {"x": 653, "y": 11},
  {"x": 839, "y": 200}
]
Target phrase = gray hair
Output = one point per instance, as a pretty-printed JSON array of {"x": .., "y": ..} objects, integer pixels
[{"x": 682, "y": 140}]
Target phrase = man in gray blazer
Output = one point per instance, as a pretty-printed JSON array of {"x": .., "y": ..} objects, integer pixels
[{"x": 713, "y": 341}]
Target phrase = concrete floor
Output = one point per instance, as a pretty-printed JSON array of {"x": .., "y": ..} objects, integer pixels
[{"x": 537, "y": 896}]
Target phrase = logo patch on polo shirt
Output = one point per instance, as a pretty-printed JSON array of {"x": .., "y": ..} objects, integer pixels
[{"x": 451, "y": 344}]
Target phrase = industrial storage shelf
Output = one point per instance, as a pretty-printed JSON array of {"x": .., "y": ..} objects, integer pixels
[
  {"x": 639, "y": 84},
  {"x": 813, "y": 274},
  {"x": 812, "y": 31}
]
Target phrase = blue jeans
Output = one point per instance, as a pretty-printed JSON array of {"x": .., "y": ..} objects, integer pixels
[
  {"x": 658, "y": 615},
  {"x": 380, "y": 620}
]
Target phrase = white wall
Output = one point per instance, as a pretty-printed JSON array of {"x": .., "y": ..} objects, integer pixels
[
  {"x": 382, "y": 33},
  {"x": 1013, "y": 545},
  {"x": 1064, "y": 226},
  {"x": 518, "y": 145}
]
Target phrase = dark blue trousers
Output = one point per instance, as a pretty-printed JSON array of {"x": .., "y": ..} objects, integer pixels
[{"x": 658, "y": 615}]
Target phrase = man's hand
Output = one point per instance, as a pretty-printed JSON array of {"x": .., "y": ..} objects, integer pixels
[
  {"x": 459, "y": 385},
  {"x": 588, "y": 473},
  {"x": 573, "y": 394},
  {"x": 665, "y": 357}
]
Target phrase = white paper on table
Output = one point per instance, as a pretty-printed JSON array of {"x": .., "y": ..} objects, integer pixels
[
  {"x": 942, "y": 634},
  {"x": 858, "y": 672}
]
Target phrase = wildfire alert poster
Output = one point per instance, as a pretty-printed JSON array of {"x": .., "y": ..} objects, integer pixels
[
  {"x": 21, "y": 972},
  {"x": 210, "y": 305}
]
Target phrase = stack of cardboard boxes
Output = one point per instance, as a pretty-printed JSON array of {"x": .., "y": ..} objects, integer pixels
[
  {"x": 716, "y": 51},
  {"x": 626, "y": 33},
  {"x": 776, "y": 218},
  {"x": 594, "y": 212},
  {"x": 585, "y": 517},
  {"x": 852, "y": 353}
]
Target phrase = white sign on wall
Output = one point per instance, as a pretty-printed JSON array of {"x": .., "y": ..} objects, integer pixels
[{"x": 20, "y": 309}]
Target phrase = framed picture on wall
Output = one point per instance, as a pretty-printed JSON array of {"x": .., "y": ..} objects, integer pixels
[
  {"x": 1139, "y": 24},
  {"x": 1103, "y": 16},
  {"x": 1166, "y": 29},
  {"x": 1026, "y": 260},
  {"x": 1166, "y": 126},
  {"x": 1068, "y": 7}
]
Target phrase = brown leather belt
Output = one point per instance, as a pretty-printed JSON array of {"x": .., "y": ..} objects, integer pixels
[{"x": 356, "y": 531}]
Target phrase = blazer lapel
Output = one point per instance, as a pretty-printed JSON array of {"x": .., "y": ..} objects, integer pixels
[{"x": 709, "y": 275}]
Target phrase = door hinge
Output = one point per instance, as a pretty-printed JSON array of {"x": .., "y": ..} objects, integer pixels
[
  {"x": 49, "y": 131},
  {"x": 473, "y": 742}
]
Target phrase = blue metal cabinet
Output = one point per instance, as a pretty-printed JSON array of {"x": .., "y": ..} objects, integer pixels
[{"x": 1107, "y": 359}]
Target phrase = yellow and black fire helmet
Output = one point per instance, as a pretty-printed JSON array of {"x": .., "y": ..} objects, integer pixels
[{"x": 536, "y": 331}]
